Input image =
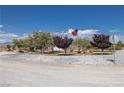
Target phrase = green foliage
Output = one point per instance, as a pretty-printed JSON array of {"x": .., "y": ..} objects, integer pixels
[
  {"x": 41, "y": 40},
  {"x": 119, "y": 45},
  {"x": 8, "y": 47},
  {"x": 44, "y": 40},
  {"x": 83, "y": 43},
  {"x": 19, "y": 43},
  {"x": 38, "y": 40}
]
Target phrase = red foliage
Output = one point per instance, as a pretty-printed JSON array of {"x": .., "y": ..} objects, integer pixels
[{"x": 101, "y": 41}]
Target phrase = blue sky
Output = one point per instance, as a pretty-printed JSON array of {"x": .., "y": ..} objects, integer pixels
[{"x": 23, "y": 20}]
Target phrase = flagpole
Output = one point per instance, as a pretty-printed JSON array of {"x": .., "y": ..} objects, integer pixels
[
  {"x": 77, "y": 43},
  {"x": 75, "y": 34},
  {"x": 114, "y": 46}
]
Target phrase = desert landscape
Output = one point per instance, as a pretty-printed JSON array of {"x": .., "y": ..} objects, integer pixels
[{"x": 61, "y": 46}]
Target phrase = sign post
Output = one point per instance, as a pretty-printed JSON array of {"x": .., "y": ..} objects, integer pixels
[{"x": 114, "y": 42}]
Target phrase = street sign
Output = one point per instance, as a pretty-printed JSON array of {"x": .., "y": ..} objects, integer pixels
[
  {"x": 114, "y": 40},
  {"x": 114, "y": 30}
]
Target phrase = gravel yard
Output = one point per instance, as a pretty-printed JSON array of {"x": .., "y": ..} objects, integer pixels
[
  {"x": 84, "y": 59},
  {"x": 41, "y": 70}
]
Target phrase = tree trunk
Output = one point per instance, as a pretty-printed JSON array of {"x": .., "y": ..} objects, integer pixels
[
  {"x": 102, "y": 51},
  {"x": 79, "y": 49},
  {"x": 52, "y": 49},
  {"x": 65, "y": 50},
  {"x": 42, "y": 50},
  {"x": 32, "y": 49}
]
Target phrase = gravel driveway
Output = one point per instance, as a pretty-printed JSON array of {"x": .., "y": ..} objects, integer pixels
[{"x": 17, "y": 72}]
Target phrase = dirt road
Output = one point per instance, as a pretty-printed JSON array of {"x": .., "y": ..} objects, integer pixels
[{"x": 13, "y": 73}]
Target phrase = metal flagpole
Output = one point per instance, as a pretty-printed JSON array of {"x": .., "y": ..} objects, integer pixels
[
  {"x": 77, "y": 43},
  {"x": 114, "y": 46},
  {"x": 75, "y": 34}
]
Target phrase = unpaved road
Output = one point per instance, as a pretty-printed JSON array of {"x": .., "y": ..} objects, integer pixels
[{"x": 27, "y": 74}]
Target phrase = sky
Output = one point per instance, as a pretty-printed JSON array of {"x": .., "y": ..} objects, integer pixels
[{"x": 20, "y": 21}]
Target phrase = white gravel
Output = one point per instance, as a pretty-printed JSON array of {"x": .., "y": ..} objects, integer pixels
[
  {"x": 28, "y": 70},
  {"x": 84, "y": 59}
]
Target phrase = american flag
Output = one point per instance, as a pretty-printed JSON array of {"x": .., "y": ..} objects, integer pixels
[{"x": 75, "y": 32}]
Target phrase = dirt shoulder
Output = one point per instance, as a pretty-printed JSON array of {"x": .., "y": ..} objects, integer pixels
[{"x": 15, "y": 73}]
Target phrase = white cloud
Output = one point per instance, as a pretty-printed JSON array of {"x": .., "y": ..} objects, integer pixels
[
  {"x": 8, "y": 35},
  {"x": 85, "y": 31},
  {"x": 1, "y": 31},
  {"x": 121, "y": 38},
  {"x": 2, "y": 41},
  {"x": 1, "y": 26},
  {"x": 5, "y": 40},
  {"x": 23, "y": 36},
  {"x": 3, "y": 34}
]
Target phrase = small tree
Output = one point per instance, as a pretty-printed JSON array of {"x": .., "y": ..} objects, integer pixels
[
  {"x": 8, "y": 47},
  {"x": 83, "y": 44},
  {"x": 119, "y": 45},
  {"x": 42, "y": 40},
  {"x": 30, "y": 43},
  {"x": 62, "y": 42},
  {"x": 38, "y": 40},
  {"x": 19, "y": 43},
  {"x": 101, "y": 41}
]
